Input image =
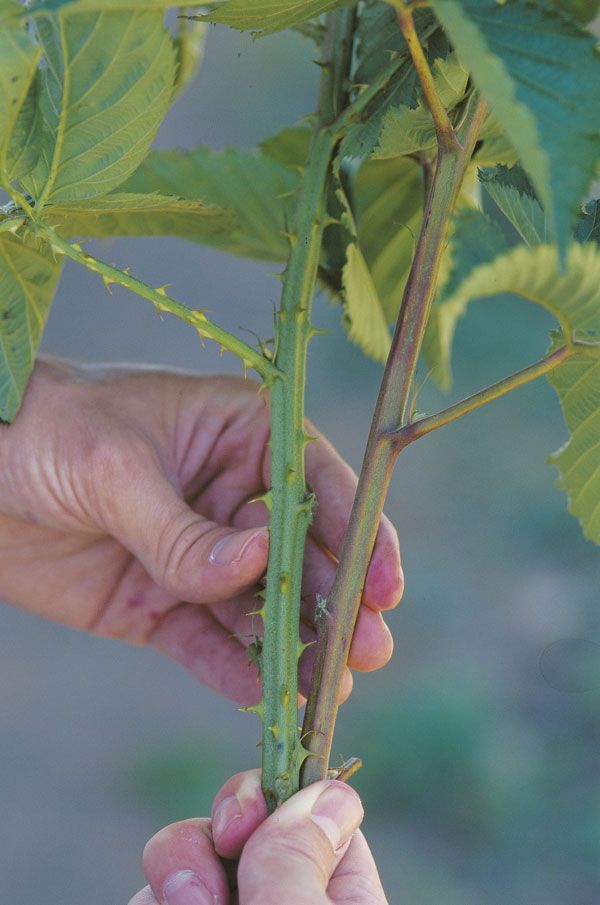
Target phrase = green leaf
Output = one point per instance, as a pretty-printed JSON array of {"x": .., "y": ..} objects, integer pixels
[
  {"x": 378, "y": 41},
  {"x": 493, "y": 146},
  {"x": 516, "y": 198},
  {"x": 189, "y": 50},
  {"x": 540, "y": 75},
  {"x": 256, "y": 188},
  {"x": 363, "y": 313},
  {"x": 408, "y": 130},
  {"x": 263, "y": 17},
  {"x": 389, "y": 210},
  {"x": 18, "y": 62},
  {"x": 475, "y": 241},
  {"x": 289, "y": 147},
  {"x": 129, "y": 214},
  {"x": 105, "y": 88},
  {"x": 577, "y": 383},
  {"x": 572, "y": 295},
  {"x": 588, "y": 226},
  {"x": 28, "y": 278}
]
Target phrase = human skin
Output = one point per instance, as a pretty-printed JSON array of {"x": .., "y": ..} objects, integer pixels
[
  {"x": 309, "y": 852},
  {"x": 126, "y": 510}
]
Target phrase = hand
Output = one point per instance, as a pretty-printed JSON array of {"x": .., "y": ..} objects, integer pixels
[
  {"x": 125, "y": 510},
  {"x": 309, "y": 852}
]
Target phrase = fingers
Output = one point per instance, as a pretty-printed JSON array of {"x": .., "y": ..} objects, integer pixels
[
  {"x": 356, "y": 878},
  {"x": 182, "y": 866},
  {"x": 309, "y": 852},
  {"x": 372, "y": 643},
  {"x": 292, "y": 855},
  {"x": 334, "y": 483},
  {"x": 238, "y": 810},
  {"x": 144, "y": 897},
  {"x": 189, "y": 556},
  {"x": 192, "y": 637}
]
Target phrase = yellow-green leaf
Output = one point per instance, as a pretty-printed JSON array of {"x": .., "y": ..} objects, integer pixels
[
  {"x": 263, "y": 17},
  {"x": 130, "y": 214},
  {"x": 105, "y": 88},
  {"x": 258, "y": 190},
  {"x": 572, "y": 295},
  {"x": 18, "y": 61},
  {"x": 363, "y": 313},
  {"x": 28, "y": 278},
  {"x": 577, "y": 383},
  {"x": 389, "y": 210},
  {"x": 407, "y": 130}
]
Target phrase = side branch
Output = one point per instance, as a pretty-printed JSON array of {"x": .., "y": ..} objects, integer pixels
[
  {"x": 251, "y": 358},
  {"x": 416, "y": 429},
  {"x": 344, "y": 599},
  {"x": 446, "y": 135}
]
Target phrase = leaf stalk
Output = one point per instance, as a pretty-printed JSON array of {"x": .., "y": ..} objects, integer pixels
[{"x": 417, "y": 429}]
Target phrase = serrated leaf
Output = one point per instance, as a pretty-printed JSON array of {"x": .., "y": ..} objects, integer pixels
[
  {"x": 408, "y": 130},
  {"x": 255, "y": 187},
  {"x": 28, "y": 278},
  {"x": 588, "y": 225},
  {"x": 577, "y": 383},
  {"x": 263, "y": 17},
  {"x": 288, "y": 147},
  {"x": 130, "y": 214},
  {"x": 540, "y": 75},
  {"x": 378, "y": 41},
  {"x": 389, "y": 210},
  {"x": 105, "y": 88},
  {"x": 475, "y": 241},
  {"x": 18, "y": 62},
  {"x": 572, "y": 295},
  {"x": 364, "y": 317},
  {"x": 516, "y": 198},
  {"x": 493, "y": 146},
  {"x": 189, "y": 50}
]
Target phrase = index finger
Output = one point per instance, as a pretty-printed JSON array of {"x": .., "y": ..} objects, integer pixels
[{"x": 334, "y": 483}]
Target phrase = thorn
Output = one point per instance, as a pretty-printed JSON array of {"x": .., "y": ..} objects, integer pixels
[
  {"x": 108, "y": 283},
  {"x": 260, "y": 612},
  {"x": 256, "y": 708},
  {"x": 162, "y": 290},
  {"x": 275, "y": 732},
  {"x": 307, "y": 438},
  {"x": 303, "y": 646},
  {"x": 291, "y": 475},
  {"x": 266, "y": 498},
  {"x": 317, "y": 331},
  {"x": 291, "y": 237},
  {"x": 285, "y": 697},
  {"x": 284, "y": 583}
]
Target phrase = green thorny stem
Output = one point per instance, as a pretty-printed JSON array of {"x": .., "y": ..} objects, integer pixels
[
  {"x": 251, "y": 357},
  {"x": 340, "y": 613},
  {"x": 291, "y": 505}
]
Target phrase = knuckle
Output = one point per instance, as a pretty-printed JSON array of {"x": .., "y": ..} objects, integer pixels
[{"x": 181, "y": 535}]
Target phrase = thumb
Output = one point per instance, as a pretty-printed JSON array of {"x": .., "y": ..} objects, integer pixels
[
  {"x": 292, "y": 855},
  {"x": 195, "y": 559}
]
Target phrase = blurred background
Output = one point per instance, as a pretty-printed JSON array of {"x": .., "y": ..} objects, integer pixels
[{"x": 479, "y": 740}]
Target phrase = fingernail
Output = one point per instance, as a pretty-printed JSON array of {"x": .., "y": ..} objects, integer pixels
[
  {"x": 232, "y": 547},
  {"x": 144, "y": 897},
  {"x": 185, "y": 888},
  {"x": 226, "y": 812},
  {"x": 337, "y": 812}
]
